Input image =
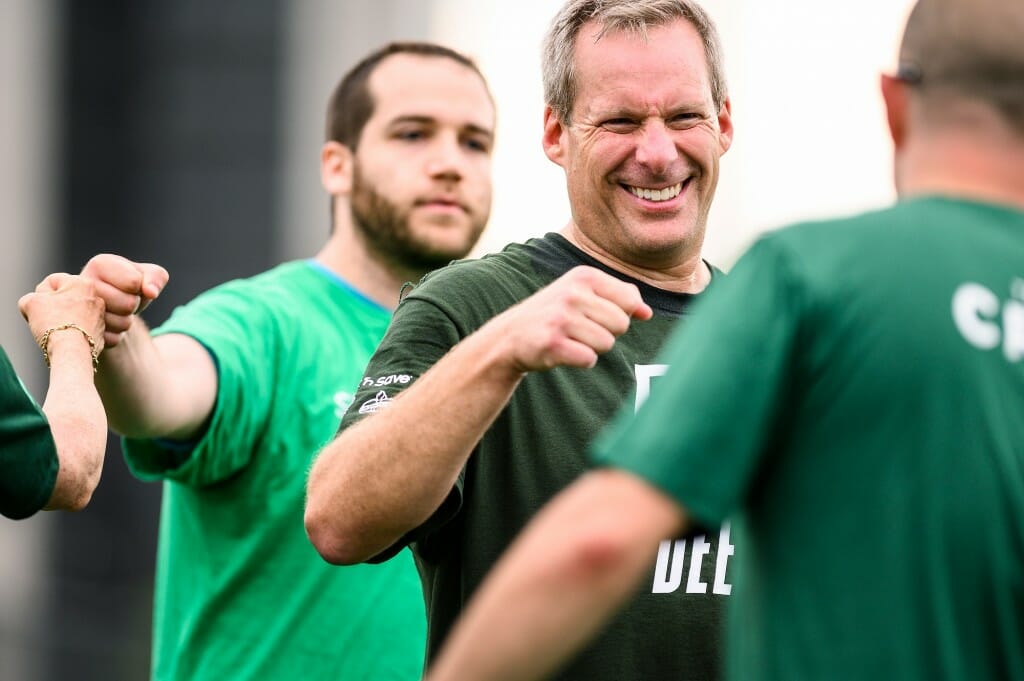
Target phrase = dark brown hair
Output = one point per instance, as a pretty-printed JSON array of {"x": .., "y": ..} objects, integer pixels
[{"x": 351, "y": 103}]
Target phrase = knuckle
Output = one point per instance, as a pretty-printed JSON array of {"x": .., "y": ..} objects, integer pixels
[
  {"x": 95, "y": 263},
  {"x": 588, "y": 276},
  {"x": 605, "y": 343},
  {"x": 87, "y": 286},
  {"x": 570, "y": 296}
]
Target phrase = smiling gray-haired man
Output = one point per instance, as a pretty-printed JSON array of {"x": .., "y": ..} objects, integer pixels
[{"x": 496, "y": 374}]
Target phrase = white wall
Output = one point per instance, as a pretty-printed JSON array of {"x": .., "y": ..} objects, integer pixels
[
  {"x": 811, "y": 139},
  {"x": 504, "y": 38}
]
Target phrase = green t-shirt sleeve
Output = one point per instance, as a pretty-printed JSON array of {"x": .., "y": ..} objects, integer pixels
[
  {"x": 709, "y": 421},
  {"x": 420, "y": 334},
  {"x": 28, "y": 454},
  {"x": 232, "y": 322}
]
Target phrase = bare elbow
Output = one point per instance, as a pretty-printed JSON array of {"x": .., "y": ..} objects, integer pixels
[
  {"x": 325, "y": 531},
  {"x": 345, "y": 518},
  {"x": 332, "y": 551},
  {"x": 330, "y": 541},
  {"x": 596, "y": 557},
  {"x": 72, "y": 492},
  {"x": 78, "y": 474},
  {"x": 333, "y": 527},
  {"x": 79, "y": 501}
]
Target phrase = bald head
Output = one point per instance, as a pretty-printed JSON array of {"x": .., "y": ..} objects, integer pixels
[{"x": 967, "y": 50}]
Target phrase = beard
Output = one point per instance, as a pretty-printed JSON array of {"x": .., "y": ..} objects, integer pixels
[{"x": 385, "y": 228}]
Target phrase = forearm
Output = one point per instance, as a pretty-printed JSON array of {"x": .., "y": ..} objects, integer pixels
[
  {"x": 151, "y": 388},
  {"x": 571, "y": 569},
  {"x": 77, "y": 421},
  {"x": 534, "y": 619},
  {"x": 387, "y": 474}
]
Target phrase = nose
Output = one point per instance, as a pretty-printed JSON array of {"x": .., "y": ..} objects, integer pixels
[
  {"x": 656, "y": 149},
  {"x": 446, "y": 159}
]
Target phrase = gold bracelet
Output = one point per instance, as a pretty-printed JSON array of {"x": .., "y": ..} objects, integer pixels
[{"x": 44, "y": 342}]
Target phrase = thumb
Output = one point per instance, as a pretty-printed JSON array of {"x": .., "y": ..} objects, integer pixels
[{"x": 154, "y": 279}]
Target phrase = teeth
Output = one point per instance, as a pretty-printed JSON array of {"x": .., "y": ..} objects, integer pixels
[{"x": 656, "y": 194}]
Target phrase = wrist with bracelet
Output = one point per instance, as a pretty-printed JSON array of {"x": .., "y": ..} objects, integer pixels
[{"x": 44, "y": 343}]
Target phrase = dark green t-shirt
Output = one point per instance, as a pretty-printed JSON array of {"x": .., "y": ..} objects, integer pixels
[
  {"x": 28, "y": 455},
  {"x": 861, "y": 405},
  {"x": 536, "y": 447}
]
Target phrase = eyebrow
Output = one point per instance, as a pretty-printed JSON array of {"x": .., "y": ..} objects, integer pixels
[
  {"x": 429, "y": 120},
  {"x": 629, "y": 111}
]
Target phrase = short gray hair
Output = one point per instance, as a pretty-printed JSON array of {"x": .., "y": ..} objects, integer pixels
[{"x": 635, "y": 16}]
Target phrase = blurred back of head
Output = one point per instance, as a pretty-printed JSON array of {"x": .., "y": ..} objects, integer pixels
[{"x": 966, "y": 52}]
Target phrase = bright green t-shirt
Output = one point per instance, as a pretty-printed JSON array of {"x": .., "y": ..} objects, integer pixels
[
  {"x": 240, "y": 591},
  {"x": 28, "y": 455},
  {"x": 854, "y": 392}
]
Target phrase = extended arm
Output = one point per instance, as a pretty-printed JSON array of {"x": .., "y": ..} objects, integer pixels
[
  {"x": 560, "y": 581},
  {"x": 387, "y": 474},
  {"x": 72, "y": 407},
  {"x": 162, "y": 387},
  {"x": 157, "y": 387}
]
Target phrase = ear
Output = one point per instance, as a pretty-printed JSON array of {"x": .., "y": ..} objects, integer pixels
[
  {"x": 554, "y": 140},
  {"x": 725, "y": 125},
  {"x": 336, "y": 168},
  {"x": 894, "y": 93}
]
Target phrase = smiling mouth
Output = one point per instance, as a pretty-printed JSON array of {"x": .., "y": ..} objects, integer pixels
[{"x": 655, "y": 195}]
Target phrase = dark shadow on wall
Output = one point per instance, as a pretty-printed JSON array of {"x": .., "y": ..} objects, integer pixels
[{"x": 168, "y": 153}]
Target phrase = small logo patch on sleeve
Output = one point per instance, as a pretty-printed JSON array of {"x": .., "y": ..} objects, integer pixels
[{"x": 375, "y": 403}]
